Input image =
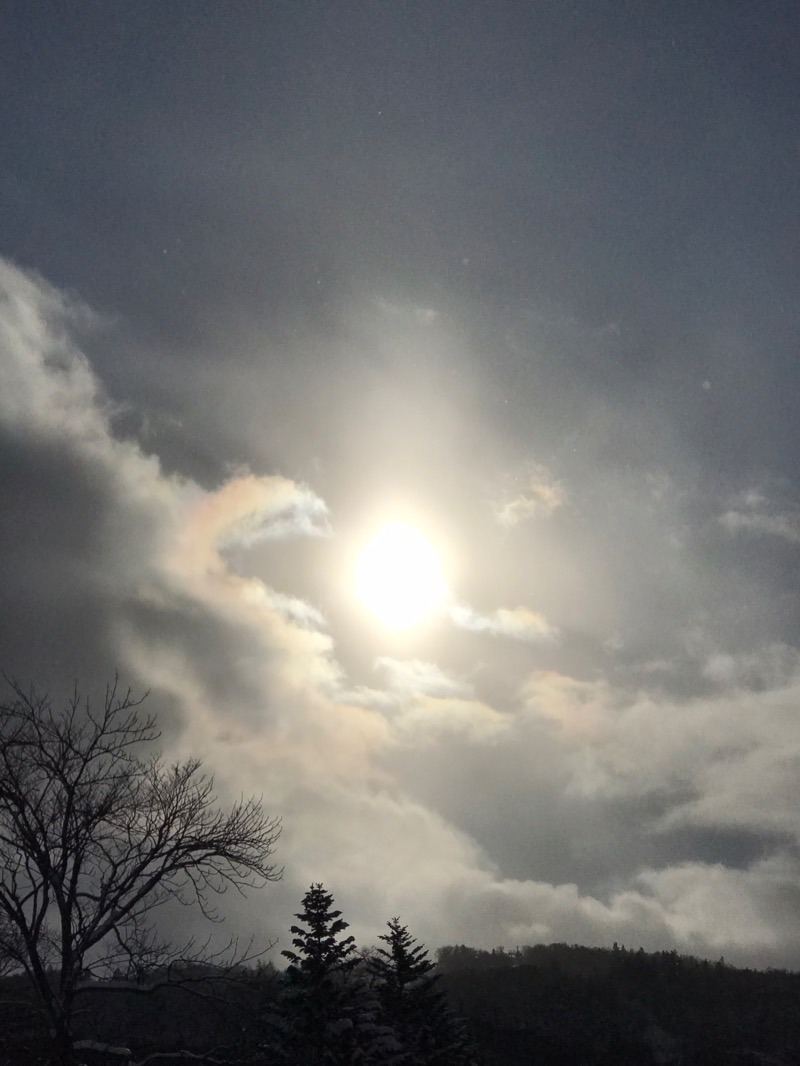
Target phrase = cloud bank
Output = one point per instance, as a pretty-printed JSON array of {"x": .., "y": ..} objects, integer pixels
[{"x": 557, "y": 806}]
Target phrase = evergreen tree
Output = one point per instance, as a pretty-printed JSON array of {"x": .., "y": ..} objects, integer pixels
[
  {"x": 319, "y": 954},
  {"x": 327, "y": 1014},
  {"x": 412, "y": 1002}
]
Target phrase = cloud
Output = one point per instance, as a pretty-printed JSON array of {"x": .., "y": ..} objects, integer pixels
[
  {"x": 47, "y": 387},
  {"x": 469, "y": 810},
  {"x": 582, "y": 710},
  {"x": 145, "y": 547},
  {"x": 786, "y": 526},
  {"x": 430, "y": 704},
  {"x": 296, "y": 610},
  {"x": 422, "y": 705},
  {"x": 517, "y": 623},
  {"x": 428, "y": 719},
  {"x": 542, "y": 496},
  {"x": 709, "y": 907},
  {"x": 414, "y": 676},
  {"x": 766, "y": 668},
  {"x": 753, "y": 512},
  {"x": 727, "y": 760},
  {"x": 249, "y": 509}
]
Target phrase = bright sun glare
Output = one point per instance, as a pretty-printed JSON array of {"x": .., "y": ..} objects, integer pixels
[{"x": 398, "y": 576}]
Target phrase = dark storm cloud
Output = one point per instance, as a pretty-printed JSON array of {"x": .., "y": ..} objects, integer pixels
[{"x": 525, "y": 275}]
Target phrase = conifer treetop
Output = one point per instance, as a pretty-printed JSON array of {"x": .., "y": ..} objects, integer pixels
[{"x": 318, "y": 948}]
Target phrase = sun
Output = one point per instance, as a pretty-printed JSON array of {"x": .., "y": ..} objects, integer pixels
[{"x": 398, "y": 576}]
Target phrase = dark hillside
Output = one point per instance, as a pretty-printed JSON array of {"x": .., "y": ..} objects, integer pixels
[
  {"x": 555, "y": 1005},
  {"x": 565, "y": 1005}
]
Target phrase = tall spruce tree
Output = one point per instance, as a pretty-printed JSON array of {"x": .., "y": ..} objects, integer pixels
[
  {"x": 327, "y": 1013},
  {"x": 413, "y": 1004}
]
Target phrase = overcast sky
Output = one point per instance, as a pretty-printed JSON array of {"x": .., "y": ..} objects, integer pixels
[{"x": 521, "y": 275}]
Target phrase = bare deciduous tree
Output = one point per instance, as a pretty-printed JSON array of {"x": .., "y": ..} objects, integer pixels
[{"x": 95, "y": 833}]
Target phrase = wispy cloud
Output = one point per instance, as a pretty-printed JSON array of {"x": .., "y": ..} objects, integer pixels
[
  {"x": 518, "y": 623},
  {"x": 753, "y": 512},
  {"x": 541, "y": 495},
  {"x": 296, "y": 610},
  {"x": 786, "y": 526},
  {"x": 419, "y": 677}
]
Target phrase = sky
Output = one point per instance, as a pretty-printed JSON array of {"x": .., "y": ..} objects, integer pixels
[{"x": 520, "y": 276}]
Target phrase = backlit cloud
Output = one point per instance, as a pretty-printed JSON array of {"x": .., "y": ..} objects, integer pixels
[
  {"x": 418, "y": 677},
  {"x": 517, "y": 623},
  {"x": 247, "y": 676},
  {"x": 249, "y": 509}
]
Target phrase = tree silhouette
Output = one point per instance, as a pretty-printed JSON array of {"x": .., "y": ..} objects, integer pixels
[
  {"x": 95, "y": 833},
  {"x": 320, "y": 956},
  {"x": 327, "y": 1013},
  {"x": 412, "y": 1002}
]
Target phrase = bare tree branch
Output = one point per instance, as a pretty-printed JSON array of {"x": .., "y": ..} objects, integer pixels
[{"x": 95, "y": 834}]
